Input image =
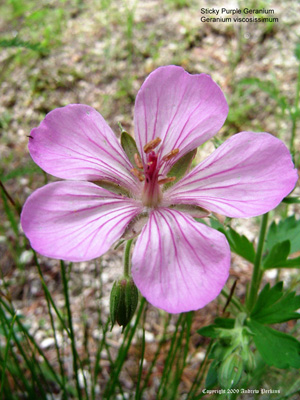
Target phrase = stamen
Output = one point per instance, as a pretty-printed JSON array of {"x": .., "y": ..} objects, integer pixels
[
  {"x": 138, "y": 174},
  {"x": 170, "y": 155},
  {"x": 162, "y": 181},
  {"x": 138, "y": 161},
  {"x": 151, "y": 145}
]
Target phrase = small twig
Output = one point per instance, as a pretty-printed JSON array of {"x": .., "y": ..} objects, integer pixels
[
  {"x": 230, "y": 295},
  {"x": 9, "y": 196}
]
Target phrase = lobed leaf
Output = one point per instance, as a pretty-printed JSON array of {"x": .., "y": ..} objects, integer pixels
[
  {"x": 287, "y": 229},
  {"x": 239, "y": 244},
  {"x": 274, "y": 306},
  {"x": 291, "y": 200},
  {"x": 276, "y": 348},
  {"x": 279, "y": 253},
  {"x": 290, "y": 263}
]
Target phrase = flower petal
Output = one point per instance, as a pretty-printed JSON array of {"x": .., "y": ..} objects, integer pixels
[
  {"x": 179, "y": 264},
  {"x": 247, "y": 175},
  {"x": 75, "y": 221},
  {"x": 183, "y": 110},
  {"x": 75, "y": 142}
]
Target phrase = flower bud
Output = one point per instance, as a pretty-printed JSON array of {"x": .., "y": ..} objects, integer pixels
[
  {"x": 230, "y": 371},
  {"x": 123, "y": 301},
  {"x": 250, "y": 363}
]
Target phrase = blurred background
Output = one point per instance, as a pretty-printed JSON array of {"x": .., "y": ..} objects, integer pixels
[{"x": 98, "y": 52}]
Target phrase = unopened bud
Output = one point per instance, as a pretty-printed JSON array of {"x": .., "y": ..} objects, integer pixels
[
  {"x": 230, "y": 371},
  {"x": 123, "y": 301},
  {"x": 250, "y": 363}
]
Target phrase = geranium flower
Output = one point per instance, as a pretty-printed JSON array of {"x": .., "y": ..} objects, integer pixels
[{"x": 178, "y": 264}]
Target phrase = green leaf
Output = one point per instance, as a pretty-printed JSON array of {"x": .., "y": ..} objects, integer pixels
[
  {"x": 290, "y": 263},
  {"x": 278, "y": 254},
  {"x": 180, "y": 168},
  {"x": 287, "y": 229},
  {"x": 129, "y": 146},
  {"x": 227, "y": 323},
  {"x": 209, "y": 331},
  {"x": 275, "y": 306},
  {"x": 213, "y": 331},
  {"x": 239, "y": 244},
  {"x": 291, "y": 200},
  {"x": 276, "y": 348}
]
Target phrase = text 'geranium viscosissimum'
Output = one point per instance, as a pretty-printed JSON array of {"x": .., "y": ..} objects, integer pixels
[{"x": 178, "y": 264}]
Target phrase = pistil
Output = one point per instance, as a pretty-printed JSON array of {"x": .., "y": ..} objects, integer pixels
[{"x": 152, "y": 194}]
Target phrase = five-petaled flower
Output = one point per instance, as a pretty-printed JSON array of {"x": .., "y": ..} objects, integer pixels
[{"x": 178, "y": 264}]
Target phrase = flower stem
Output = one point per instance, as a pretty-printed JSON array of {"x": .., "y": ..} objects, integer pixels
[
  {"x": 257, "y": 275},
  {"x": 126, "y": 257},
  {"x": 72, "y": 337}
]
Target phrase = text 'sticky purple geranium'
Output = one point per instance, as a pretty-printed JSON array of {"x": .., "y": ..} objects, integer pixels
[{"x": 178, "y": 264}]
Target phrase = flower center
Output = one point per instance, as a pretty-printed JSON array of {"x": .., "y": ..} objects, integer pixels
[{"x": 152, "y": 193}]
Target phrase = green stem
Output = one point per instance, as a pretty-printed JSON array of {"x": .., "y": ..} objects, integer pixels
[
  {"x": 257, "y": 275},
  {"x": 123, "y": 351},
  {"x": 72, "y": 337},
  {"x": 127, "y": 257},
  {"x": 157, "y": 353},
  {"x": 22, "y": 328},
  {"x": 47, "y": 295},
  {"x": 6, "y": 354},
  {"x": 29, "y": 364},
  {"x": 141, "y": 361},
  {"x": 200, "y": 373},
  {"x": 170, "y": 357}
]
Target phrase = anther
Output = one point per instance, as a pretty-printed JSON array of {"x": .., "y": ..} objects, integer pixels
[
  {"x": 151, "y": 145},
  {"x": 138, "y": 174},
  {"x": 138, "y": 161},
  {"x": 170, "y": 155},
  {"x": 162, "y": 181}
]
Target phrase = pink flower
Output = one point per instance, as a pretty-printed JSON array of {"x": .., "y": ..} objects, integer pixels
[{"x": 178, "y": 264}]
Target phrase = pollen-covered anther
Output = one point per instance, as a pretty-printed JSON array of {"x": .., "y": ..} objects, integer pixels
[
  {"x": 170, "y": 155},
  {"x": 162, "y": 181},
  {"x": 151, "y": 145},
  {"x": 138, "y": 161},
  {"x": 138, "y": 174}
]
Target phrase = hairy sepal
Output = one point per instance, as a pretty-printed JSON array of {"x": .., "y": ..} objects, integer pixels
[
  {"x": 180, "y": 168},
  {"x": 129, "y": 146},
  {"x": 113, "y": 187}
]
